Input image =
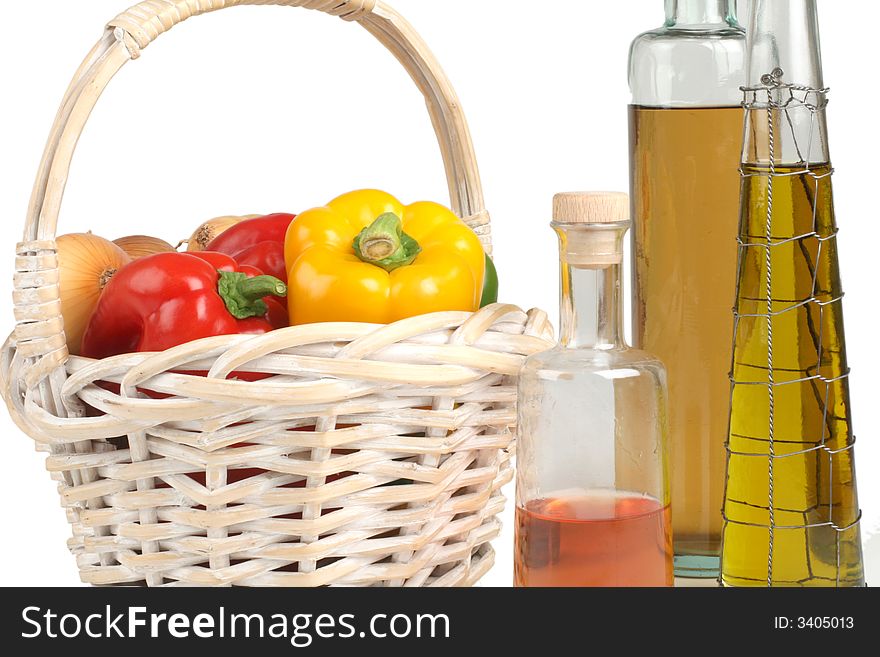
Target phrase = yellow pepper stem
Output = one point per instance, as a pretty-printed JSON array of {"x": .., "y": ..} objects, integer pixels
[{"x": 384, "y": 244}]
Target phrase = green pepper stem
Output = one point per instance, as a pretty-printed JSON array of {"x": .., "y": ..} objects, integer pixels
[
  {"x": 243, "y": 295},
  {"x": 384, "y": 244},
  {"x": 258, "y": 287}
]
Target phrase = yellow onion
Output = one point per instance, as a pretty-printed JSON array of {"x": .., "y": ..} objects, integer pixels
[
  {"x": 138, "y": 246},
  {"x": 202, "y": 235},
  {"x": 86, "y": 263}
]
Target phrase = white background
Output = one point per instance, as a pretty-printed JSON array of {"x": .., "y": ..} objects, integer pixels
[{"x": 263, "y": 109}]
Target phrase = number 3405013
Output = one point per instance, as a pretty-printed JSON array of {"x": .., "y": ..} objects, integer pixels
[{"x": 814, "y": 623}]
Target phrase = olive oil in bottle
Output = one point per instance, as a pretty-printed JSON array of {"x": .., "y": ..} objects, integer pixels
[
  {"x": 685, "y": 138},
  {"x": 791, "y": 513},
  {"x": 685, "y": 198},
  {"x": 815, "y": 541}
]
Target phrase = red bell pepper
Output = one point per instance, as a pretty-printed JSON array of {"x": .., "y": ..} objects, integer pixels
[
  {"x": 166, "y": 299},
  {"x": 258, "y": 242}
]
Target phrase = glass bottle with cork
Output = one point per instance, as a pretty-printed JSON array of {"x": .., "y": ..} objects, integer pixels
[
  {"x": 592, "y": 497},
  {"x": 685, "y": 138}
]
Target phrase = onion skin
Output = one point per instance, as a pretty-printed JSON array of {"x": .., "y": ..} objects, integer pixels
[
  {"x": 86, "y": 263},
  {"x": 138, "y": 246},
  {"x": 212, "y": 228}
]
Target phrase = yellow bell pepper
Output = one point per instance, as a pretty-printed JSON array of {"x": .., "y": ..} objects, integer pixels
[{"x": 366, "y": 257}]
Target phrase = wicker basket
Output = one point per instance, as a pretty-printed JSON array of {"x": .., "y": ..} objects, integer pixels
[{"x": 372, "y": 455}]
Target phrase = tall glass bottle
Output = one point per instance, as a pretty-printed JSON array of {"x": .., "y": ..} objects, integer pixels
[
  {"x": 685, "y": 140},
  {"x": 592, "y": 495},
  {"x": 791, "y": 509}
]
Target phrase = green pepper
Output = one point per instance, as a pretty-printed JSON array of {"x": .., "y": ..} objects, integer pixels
[{"x": 490, "y": 284}]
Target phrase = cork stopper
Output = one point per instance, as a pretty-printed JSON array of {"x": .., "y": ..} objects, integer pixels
[
  {"x": 591, "y": 226},
  {"x": 590, "y": 207}
]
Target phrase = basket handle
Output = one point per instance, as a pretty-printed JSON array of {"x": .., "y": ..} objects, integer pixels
[
  {"x": 147, "y": 20},
  {"x": 133, "y": 30},
  {"x": 39, "y": 336}
]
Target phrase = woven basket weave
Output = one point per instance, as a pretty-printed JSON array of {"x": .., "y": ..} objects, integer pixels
[{"x": 372, "y": 455}]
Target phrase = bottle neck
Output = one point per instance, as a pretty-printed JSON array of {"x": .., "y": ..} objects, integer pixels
[
  {"x": 785, "y": 127},
  {"x": 591, "y": 315},
  {"x": 699, "y": 13},
  {"x": 785, "y": 35},
  {"x": 590, "y": 308}
]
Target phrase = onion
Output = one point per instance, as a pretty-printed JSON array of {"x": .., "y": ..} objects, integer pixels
[
  {"x": 86, "y": 263},
  {"x": 203, "y": 235},
  {"x": 138, "y": 246}
]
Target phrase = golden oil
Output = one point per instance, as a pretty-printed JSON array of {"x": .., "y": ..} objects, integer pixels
[
  {"x": 685, "y": 195},
  {"x": 790, "y": 415}
]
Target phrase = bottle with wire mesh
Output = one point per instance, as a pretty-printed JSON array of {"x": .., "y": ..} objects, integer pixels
[{"x": 791, "y": 513}]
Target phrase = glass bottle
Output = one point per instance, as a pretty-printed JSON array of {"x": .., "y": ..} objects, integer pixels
[
  {"x": 592, "y": 494},
  {"x": 685, "y": 141},
  {"x": 791, "y": 508}
]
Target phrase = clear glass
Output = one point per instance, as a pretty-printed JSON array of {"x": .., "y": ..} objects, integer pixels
[
  {"x": 685, "y": 146},
  {"x": 592, "y": 494},
  {"x": 791, "y": 505},
  {"x": 696, "y": 59}
]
